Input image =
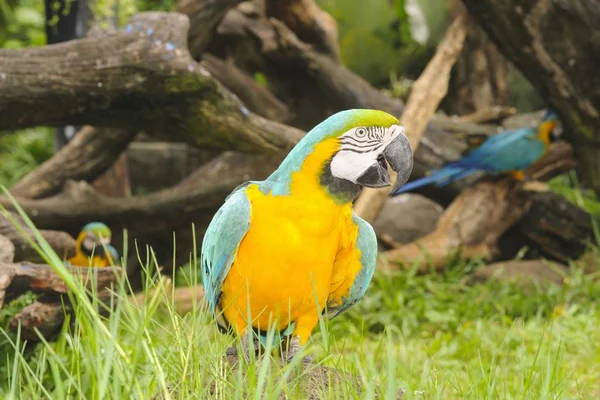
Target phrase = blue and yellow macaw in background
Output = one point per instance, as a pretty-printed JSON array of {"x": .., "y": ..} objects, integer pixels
[
  {"x": 289, "y": 249},
  {"x": 511, "y": 151},
  {"x": 94, "y": 242}
]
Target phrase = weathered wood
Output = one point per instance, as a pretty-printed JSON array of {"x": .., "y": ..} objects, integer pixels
[
  {"x": 158, "y": 165},
  {"x": 478, "y": 218},
  {"x": 555, "y": 45},
  {"x": 61, "y": 242},
  {"x": 490, "y": 114},
  {"x": 91, "y": 152},
  {"x": 555, "y": 228},
  {"x": 6, "y": 277},
  {"x": 158, "y": 213},
  {"x": 115, "y": 182},
  {"x": 311, "y": 24},
  {"x": 281, "y": 46},
  {"x": 97, "y": 80},
  {"x": 480, "y": 78},
  {"x": 41, "y": 278},
  {"x": 257, "y": 98},
  {"x": 205, "y": 16},
  {"x": 426, "y": 94},
  {"x": 47, "y": 314},
  {"x": 7, "y": 250}
]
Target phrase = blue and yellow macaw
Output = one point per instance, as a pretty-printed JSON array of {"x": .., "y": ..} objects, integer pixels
[
  {"x": 289, "y": 249},
  {"x": 93, "y": 242},
  {"x": 512, "y": 151}
]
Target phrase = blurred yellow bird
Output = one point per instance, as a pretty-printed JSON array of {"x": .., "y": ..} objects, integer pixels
[{"x": 93, "y": 247}]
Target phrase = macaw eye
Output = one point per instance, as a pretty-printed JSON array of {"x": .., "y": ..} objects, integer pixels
[{"x": 361, "y": 132}]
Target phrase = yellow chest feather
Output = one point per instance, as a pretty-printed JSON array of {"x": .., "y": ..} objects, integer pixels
[{"x": 298, "y": 255}]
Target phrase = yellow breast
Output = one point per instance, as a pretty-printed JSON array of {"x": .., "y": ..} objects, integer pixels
[
  {"x": 82, "y": 260},
  {"x": 298, "y": 255}
]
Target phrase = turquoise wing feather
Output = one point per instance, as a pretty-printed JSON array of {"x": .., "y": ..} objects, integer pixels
[
  {"x": 366, "y": 242},
  {"x": 510, "y": 150},
  {"x": 221, "y": 242}
]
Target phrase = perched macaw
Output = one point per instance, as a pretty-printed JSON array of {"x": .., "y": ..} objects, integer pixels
[
  {"x": 289, "y": 248},
  {"x": 94, "y": 242},
  {"x": 511, "y": 151}
]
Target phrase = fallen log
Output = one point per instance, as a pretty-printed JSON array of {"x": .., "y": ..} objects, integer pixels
[
  {"x": 475, "y": 222},
  {"x": 47, "y": 314},
  {"x": 96, "y": 80},
  {"x": 91, "y": 152},
  {"x": 61, "y": 242}
]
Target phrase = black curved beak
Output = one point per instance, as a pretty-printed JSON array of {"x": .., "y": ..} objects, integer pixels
[{"x": 398, "y": 155}]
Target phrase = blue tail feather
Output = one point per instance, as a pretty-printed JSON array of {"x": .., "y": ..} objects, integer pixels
[
  {"x": 457, "y": 177},
  {"x": 442, "y": 177}
]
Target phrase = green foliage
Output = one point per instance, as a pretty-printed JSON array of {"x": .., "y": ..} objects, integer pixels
[
  {"x": 21, "y": 23},
  {"x": 113, "y": 12},
  {"x": 376, "y": 39},
  {"x": 261, "y": 79},
  {"x": 155, "y": 5},
  {"x": 22, "y": 151}
]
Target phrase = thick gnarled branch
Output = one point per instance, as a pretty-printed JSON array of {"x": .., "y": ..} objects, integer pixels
[
  {"x": 96, "y": 80},
  {"x": 90, "y": 153},
  {"x": 477, "y": 219}
]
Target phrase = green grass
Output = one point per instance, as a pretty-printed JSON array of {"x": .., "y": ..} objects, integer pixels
[{"x": 431, "y": 335}]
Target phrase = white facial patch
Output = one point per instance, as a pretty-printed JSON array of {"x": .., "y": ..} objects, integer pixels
[
  {"x": 360, "y": 148},
  {"x": 88, "y": 243}
]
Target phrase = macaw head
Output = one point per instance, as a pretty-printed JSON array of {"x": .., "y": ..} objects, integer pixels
[
  {"x": 93, "y": 236},
  {"x": 550, "y": 126},
  {"x": 355, "y": 148}
]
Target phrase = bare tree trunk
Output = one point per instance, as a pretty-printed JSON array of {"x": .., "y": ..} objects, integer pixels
[{"x": 480, "y": 79}]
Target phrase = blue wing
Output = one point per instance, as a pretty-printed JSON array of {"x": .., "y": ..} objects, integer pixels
[
  {"x": 221, "y": 242},
  {"x": 510, "y": 150},
  {"x": 366, "y": 242}
]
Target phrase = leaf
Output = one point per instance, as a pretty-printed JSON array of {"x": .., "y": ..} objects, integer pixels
[{"x": 29, "y": 17}]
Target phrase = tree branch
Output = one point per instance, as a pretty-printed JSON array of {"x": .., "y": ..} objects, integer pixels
[
  {"x": 145, "y": 67},
  {"x": 311, "y": 24},
  {"x": 476, "y": 220},
  {"x": 91, "y": 152},
  {"x": 427, "y": 92},
  {"x": 255, "y": 97}
]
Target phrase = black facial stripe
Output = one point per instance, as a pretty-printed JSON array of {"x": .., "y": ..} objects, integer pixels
[
  {"x": 362, "y": 151},
  {"x": 350, "y": 140},
  {"x": 363, "y": 146}
]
